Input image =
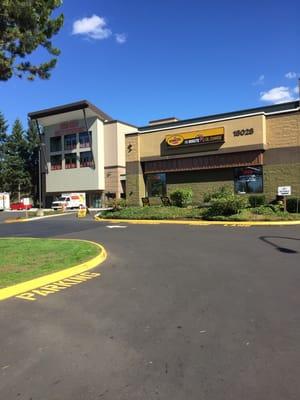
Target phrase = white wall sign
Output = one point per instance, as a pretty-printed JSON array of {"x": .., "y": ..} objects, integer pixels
[{"x": 284, "y": 190}]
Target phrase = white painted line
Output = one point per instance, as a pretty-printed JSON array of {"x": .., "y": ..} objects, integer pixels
[{"x": 115, "y": 226}]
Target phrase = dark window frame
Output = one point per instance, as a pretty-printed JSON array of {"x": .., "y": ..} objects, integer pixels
[
  {"x": 54, "y": 140},
  {"x": 152, "y": 192},
  {"x": 88, "y": 163},
  {"x": 85, "y": 144},
  {"x": 71, "y": 145},
  {"x": 257, "y": 179},
  {"x": 70, "y": 165},
  {"x": 56, "y": 166}
]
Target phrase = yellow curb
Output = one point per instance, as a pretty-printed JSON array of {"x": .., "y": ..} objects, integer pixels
[
  {"x": 198, "y": 223},
  {"x": 14, "y": 290},
  {"x": 13, "y": 221}
]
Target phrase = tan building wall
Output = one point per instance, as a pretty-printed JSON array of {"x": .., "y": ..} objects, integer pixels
[
  {"x": 113, "y": 180},
  {"x": 79, "y": 179},
  {"x": 108, "y": 146},
  {"x": 276, "y": 136},
  {"x": 114, "y": 161},
  {"x": 283, "y": 130},
  {"x": 135, "y": 185},
  {"x": 152, "y": 143},
  {"x": 282, "y": 159}
]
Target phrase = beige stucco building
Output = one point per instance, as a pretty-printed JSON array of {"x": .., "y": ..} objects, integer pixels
[
  {"x": 84, "y": 152},
  {"x": 249, "y": 151}
]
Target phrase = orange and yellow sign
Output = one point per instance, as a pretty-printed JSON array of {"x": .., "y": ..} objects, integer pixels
[{"x": 196, "y": 137}]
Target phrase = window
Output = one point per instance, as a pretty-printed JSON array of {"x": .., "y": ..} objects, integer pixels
[
  {"x": 86, "y": 159},
  {"x": 55, "y": 144},
  {"x": 85, "y": 139},
  {"x": 70, "y": 142},
  {"x": 70, "y": 161},
  {"x": 248, "y": 180},
  {"x": 156, "y": 185},
  {"x": 55, "y": 162}
]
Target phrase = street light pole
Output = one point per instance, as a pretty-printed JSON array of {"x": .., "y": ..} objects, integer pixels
[
  {"x": 40, "y": 179},
  {"x": 40, "y": 211}
]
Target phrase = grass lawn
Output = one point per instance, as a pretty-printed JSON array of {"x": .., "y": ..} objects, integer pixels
[
  {"x": 249, "y": 214},
  {"x": 169, "y": 213},
  {"x": 153, "y": 212},
  {"x": 24, "y": 259}
]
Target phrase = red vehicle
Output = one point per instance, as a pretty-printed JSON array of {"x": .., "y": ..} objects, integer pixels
[{"x": 20, "y": 206}]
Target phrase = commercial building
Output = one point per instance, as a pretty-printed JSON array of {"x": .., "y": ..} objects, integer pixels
[
  {"x": 84, "y": 152},
  {"x": 250, "y": 151}
]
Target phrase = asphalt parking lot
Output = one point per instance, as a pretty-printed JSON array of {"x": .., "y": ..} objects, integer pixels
[{"x": 179, "y": 312}]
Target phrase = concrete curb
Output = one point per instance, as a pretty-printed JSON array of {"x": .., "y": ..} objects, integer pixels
[
  {"x": 198, "y": 223},
  {"x": 13, "y": 221},
  {"x": 23, "y": 287}
]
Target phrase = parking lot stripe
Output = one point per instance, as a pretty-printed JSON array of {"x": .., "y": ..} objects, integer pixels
[{"x": 36, "y": 283}]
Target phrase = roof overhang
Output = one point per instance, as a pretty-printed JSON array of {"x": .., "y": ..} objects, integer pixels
[{"x": 68, "y": 112}]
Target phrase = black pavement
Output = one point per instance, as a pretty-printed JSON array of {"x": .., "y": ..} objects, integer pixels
[{"x": 179, "y": 312}]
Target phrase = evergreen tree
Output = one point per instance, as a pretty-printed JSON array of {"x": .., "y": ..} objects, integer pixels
[
  {"x": 32, "y": 158},
  {"x": 3, "y": 140},
  {"x": 16, "y": 175},
  {"x": 24, "y": 26}
]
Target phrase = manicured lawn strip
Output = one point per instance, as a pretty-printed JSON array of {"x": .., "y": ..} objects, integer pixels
[
  {"x": 24, "y": 259},
  {"x": 250, "y": 215},
  {"x": 173, "y": 213},
  {"x": 153, "y": 212}
]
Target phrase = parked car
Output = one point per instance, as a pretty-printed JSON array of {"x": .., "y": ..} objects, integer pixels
[{"x": 20, "y": 206}]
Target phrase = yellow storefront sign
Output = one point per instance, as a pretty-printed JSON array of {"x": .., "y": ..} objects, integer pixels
[{"x": 196, "y": 137}]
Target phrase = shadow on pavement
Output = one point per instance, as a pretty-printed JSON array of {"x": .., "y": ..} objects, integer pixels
[{"x": 286, "y": 250}]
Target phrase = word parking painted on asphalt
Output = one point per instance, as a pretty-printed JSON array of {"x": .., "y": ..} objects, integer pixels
[{"x": 57, "y": 286}]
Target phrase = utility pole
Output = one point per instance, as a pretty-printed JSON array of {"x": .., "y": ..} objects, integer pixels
[
  {"x": 40, "y": 180},
  {"x": 40, "y": 211}
]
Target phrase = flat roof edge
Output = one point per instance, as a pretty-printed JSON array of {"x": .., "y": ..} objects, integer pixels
[
  {"x": 65, "y": 108},
  {"x": 264, "y": 109}
]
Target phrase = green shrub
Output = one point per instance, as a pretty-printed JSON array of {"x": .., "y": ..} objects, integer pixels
[
  {"x": 257, "y": 200},
  {"x": 116, "y": 204},
  {"x": 291, "y": 204},
  {"x": 218, "y": 194},
  {"x": 263, "y": 210},
  {"x": 181, "y": 197},
  {"x": 225, "y": 206}
]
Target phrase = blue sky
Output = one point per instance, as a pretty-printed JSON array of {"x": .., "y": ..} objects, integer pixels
[{"x": 143, "y": 60}]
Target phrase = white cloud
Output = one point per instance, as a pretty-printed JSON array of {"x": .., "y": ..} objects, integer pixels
[
  {"x": 296, "y": 90},
  {"x": 277, "y": 95},
  {"x": 259, "y": 81},
  {"x": 291, "y": 75},
  {"x": 121, "y": 38},
  {"x": 94, "y": 27}
]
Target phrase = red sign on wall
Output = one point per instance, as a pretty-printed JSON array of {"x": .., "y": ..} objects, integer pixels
[{"x": 68, "y": 127}]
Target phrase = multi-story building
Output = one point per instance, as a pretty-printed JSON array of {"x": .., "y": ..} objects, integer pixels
[
  {"x": 249, "y": 151},
  {"x": 84, "y": 150}
]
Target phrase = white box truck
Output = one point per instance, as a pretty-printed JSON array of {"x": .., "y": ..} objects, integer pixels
[
  {"x": 69, "y": 201},
  {"x": 4, "y": 201}
]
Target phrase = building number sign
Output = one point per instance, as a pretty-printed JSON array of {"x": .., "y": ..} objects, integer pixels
[{"x": 243, "y": 132}]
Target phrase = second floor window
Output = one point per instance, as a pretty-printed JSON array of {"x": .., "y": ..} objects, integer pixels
[
  {"x": 85, "y": 139},
  {"x": 70, "y": 161},
  {"x": 86, "y": 159},
  {"x": 55, "y": 144},
  {"x": 55, "y": 162},
  {"x": 70, "y": 142}
]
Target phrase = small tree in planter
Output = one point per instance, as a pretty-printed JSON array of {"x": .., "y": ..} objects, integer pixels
[{"x": 181, "y": 197}]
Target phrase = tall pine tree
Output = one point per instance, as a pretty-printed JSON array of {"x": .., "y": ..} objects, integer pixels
[
  {"x": 3, "y": 140},
  {"x": 16, "y": 176},
  {"x": 32, "y": 158}
]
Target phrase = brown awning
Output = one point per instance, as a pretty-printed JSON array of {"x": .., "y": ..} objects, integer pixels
[{"x": 205, "y": 162}]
